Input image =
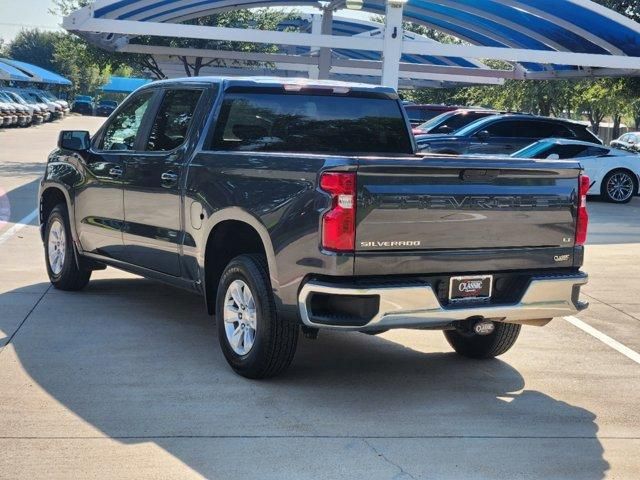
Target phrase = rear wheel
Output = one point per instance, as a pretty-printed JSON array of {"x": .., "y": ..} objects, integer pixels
[
  {"x": 62, "y": 267},
  {"x": 619, "y": 186},
  {"x": 469, "y": 344},
  {"x": 254, "y": 340}
]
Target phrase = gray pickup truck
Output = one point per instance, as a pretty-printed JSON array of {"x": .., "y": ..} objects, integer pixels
[{"x": 297, "y": 205}]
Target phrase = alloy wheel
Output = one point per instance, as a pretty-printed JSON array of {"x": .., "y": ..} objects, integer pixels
[
  {"x": 620, "y": 187},
  {"x": 56, "y": 246},
  {"x": 240, "y": 317}
]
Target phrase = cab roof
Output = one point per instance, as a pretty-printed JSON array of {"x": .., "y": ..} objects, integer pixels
[{"x": 276, "y": 82}]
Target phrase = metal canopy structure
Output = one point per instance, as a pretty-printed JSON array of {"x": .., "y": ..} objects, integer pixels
[
  {"x": 542, "y": 38},
  {"x": 123, "y": 84},
  {"x": 421, "y": 71},
  {"x": 33, "y": 73},
  {"x": 9, "y": 73}
]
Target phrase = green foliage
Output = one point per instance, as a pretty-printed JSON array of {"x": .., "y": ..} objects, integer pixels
[
  {"x": 35, "y": 46},
  {"x": 4, "y": 48},
  {"x": 259, "y": 19}
]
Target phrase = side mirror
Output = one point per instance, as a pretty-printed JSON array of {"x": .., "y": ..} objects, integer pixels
[
  {"x": 76, "y": 140},
  {"x": 483, "y": 135}
]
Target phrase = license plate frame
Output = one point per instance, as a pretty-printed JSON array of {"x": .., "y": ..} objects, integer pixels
[{"x": 474, "y": 293}]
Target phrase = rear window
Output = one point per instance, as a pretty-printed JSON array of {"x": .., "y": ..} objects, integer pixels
[
  {"x": 583, "y": 133},
  {"x": 277, "y": 122},
  {"x": 421, "y": 114}
]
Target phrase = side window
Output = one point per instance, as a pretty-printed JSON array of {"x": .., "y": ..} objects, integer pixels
[
  {"x": 122, "y": 131},
  {"x": 593, "y": 152},
  {"x": 171, "y": 124},
  {"x": 503, "y": 129},
  {"x": 458, "y": 121},
  {"x": 572, "y": 151},
  {"x": 538, "y": 130}
]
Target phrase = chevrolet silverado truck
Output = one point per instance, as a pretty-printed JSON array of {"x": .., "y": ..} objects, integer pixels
[{"x": 294, "y": 206}]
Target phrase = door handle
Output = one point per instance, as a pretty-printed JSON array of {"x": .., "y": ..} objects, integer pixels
[
  {"x": 169, "y": 177},
  {"x": 115, "y": 172}
]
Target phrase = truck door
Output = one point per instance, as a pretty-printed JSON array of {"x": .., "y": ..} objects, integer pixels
[
  {"x": 99, "y": 207},
  {"x": 152, "y": 185}
]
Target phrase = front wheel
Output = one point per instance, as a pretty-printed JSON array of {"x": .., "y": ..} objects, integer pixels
[
  {"x": 62, "y": 267},
  {"x": 469, "y": 344},
  {"x": 254, "y": 340},
  {"x": 619, "y": 186}
]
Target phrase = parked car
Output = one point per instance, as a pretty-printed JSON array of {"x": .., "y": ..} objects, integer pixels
[
  {"x": 449, "y": 122},
  {"x": 503, "y": 134},
  {"x": 8, "y": 115},
  {"x": 55, "y": 109},
  {"x": 40, "y": 112},
  {"x": 23, "y": 113},
  {"x": 83, "y": 104},
  {"x": 106, "y": 107},
  {"x": 629, "y": 141},
  {"x": 614, "y": 174},
  {"x": 418, "y": 114},
  {"x": 293, "y": 204},
  {"x": 50, "y": 97}
]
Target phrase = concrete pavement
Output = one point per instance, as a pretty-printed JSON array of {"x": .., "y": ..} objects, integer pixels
[{"x": 125, "y": 379}]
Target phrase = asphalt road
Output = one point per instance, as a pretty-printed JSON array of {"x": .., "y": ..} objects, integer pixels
[{"x": 126, "y": 380}]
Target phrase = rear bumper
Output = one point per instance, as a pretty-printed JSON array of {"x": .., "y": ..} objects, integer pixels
[{"x": 417, "y": 306}]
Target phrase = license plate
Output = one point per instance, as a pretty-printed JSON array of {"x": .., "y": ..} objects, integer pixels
[{"x": 475, "y": 287}]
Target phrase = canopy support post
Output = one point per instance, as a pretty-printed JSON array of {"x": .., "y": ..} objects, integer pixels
[
  {"x": 392, "y": 46},
  {"x": 316, "y": 29},
  {"x": 324, "y": 59}
]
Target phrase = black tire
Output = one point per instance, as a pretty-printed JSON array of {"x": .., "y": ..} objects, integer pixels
[
  {"x": 604, "y": 189},
  {"x": 275, "y": 340},
  {"x": 469, "y": 344},
  {"x": 70, "y": 277}
]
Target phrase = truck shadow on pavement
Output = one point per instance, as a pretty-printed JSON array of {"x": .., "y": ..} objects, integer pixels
[
  {"x": 140, "y": 362},
  {"x": 19, "y": 202}
]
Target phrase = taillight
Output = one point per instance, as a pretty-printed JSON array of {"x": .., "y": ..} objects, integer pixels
[
  {"x": 339, "y": 223},
  {"x": 583, "y": 216}
]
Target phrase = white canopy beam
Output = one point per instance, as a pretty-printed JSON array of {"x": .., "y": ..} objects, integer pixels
[{"x": 282, "y": 59}]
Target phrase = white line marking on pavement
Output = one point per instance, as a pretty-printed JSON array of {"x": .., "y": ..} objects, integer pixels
[
  {"x": 606, "y": 339},
  {"x": 18, "y": 226}
]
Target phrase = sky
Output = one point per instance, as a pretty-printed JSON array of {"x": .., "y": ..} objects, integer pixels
[{"x": 30, "y": 14}]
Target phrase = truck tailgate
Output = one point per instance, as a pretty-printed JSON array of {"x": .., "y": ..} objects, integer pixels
[{"x": 431, "y": 204}]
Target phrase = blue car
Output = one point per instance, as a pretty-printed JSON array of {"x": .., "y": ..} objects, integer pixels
[
  {"x": 83, "y": 104},
  {"x": 106, "y": 107},
  {"x": 503, "y": 135}
]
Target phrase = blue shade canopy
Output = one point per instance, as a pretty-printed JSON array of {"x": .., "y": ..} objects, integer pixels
[
  {"x": 35, "y": 73},
  {"x": 123, "y": 84},
  {"x": 7, "y": 72},
  {"x": 576, "y": 26}
]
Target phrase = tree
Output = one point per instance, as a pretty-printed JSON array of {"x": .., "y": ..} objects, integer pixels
[
  {"x": 260, "y": 19},
  {"x": 4, "y": 48},
  {"x": 36, "y": 47}
]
